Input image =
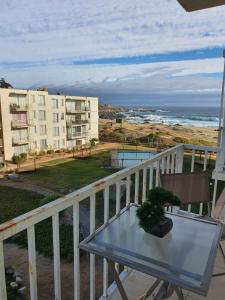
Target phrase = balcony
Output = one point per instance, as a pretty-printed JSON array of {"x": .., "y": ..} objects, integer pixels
[
  {"x": 77, "y": 110},
  {"x": 18, "y": 108},
  {"x": 19, "y": 124},
  {"x": 16, "y": 141},
  {"x": 77, "y": 135},
  {"x": 136, "y": 181},
  {"x": 70, "y": 123}
]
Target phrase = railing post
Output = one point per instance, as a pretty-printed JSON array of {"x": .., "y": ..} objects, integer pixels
[
  {"x": 3, "y": 294},
  {"x": 205, "y": 160},
  {"x": 179, "y": 159},
  {"x": 144, "y": 185},
  {"x": 105, "y": 264},
  {"x": 56, "y": 251},
  {"x": 136, "y": 193},
  {"x": 92, "y": 256},
  {"x": 32, "y": 262},
  {"x": 118, "y": 197},
  {"x": 151, "y": 177},
  {"x": 128, "y": 190},
  {"x": 192, "y": 161},
  {"x": 76, "y": 252}
]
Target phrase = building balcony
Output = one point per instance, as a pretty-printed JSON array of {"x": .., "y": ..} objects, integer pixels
[
  {"x": 70, "y": 123},
  {"x": 18, "y": 108},
  {"x": 77, "y": 110},
  {"x": 16, "y": 141},
  {"x": 86, "y": 281},
  {"x": 77, "y": 135},
  {"x": 19, "y": 124}
]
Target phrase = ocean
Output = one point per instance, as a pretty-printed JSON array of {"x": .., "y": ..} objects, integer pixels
[{"x": 191, "y": 116}]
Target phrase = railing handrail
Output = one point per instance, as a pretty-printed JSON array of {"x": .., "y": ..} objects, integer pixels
[
  {"x": 201, "y": 148},
  {"x": 37, "y": 215}
]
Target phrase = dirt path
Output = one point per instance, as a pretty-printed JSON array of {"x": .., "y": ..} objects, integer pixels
[{"x": 18, "y": 258}]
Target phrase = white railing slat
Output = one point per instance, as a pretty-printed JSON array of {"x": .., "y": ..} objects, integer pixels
[
  {"x": 32, "y": 262},
  {"x": 205, "y": 161},
  {"x": 56, "y": 255},
  {"x": 136, "y": 192},
  {"x": 144, "y": 185},
  {"x": 151, "y": 177},
  {"x": 128, "y": 190},
  {"x": 3, "y": 294},
  {"x": 76, "y": 252},
  {"x": 172, "y": 163},
  {"x": 168, "y": 164},
  {"x": 163, "y": 165},
  {"x": 105, "y": 264},
  {"x": 118, "y": 197},
  {"x": 157, "y": 174},
  {"x": 92, "y": 256},
  {"x": 193, "y": 161}
]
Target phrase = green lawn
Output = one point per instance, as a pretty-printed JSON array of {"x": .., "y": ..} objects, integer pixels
[
  {"x": 62, "y": 175},
  {"x": 15, "y": 202}
]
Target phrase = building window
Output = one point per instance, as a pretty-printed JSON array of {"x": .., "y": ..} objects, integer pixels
[
  {"x": 35, "y": 129},
  {"x": 56, "y": 144},
  {"x": 43, "y": 144},
  {"x": 32, "y": 98},
  {"x": 55, "y": 118},
  {"x": 41, "y": 100},
  {"x": 55, "y": 103},
  {"x": 34, "y": 114},
  {"x": 42, "y": 129},
  {"x": 62, "y": 116},
  {"x": 41, "y": 115},
  {"x": 55, "y": 131},
  {"x": 62, "y": 102},
  {"x": 89, "y": 115}
]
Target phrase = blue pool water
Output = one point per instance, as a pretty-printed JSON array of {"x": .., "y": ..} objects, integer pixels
[{"x": 129, "y": 158}]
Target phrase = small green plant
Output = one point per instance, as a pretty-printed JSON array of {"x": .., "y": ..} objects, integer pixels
[
  {"x": 18, "y": 159},
  {"x": 152, "y": 210},
  {"x": 93, "y": 142},
  {"x": 42, "y": 152},
  {"x": 50, "y": 151}
]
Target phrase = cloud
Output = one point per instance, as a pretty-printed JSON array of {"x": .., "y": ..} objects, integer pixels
[
  {"x": 78, "y": 30},
  {"x": 40, "y": 41}
]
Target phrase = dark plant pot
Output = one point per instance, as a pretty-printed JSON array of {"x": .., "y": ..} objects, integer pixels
[{"x": 161, "y": 229}]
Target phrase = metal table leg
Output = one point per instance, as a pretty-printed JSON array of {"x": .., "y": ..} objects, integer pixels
[
  {"x": 117, "y": 280},
  {"x": 151, "y": 290}
]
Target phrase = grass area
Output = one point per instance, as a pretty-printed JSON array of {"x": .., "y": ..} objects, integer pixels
[
  {"x": 63, "y": 175},
  {"x": 15, "y": 202}
]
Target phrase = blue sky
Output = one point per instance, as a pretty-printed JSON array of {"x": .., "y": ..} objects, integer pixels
[{"x": 126, "y": 52}]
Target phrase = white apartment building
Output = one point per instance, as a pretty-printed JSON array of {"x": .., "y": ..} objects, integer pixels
[{"x": 33, "y": 120}]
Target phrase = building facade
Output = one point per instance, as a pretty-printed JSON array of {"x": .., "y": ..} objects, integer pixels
[{"x": 33, "y": 120}]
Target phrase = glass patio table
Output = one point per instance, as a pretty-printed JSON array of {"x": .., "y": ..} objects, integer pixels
[{"x": 183, "y": 259}]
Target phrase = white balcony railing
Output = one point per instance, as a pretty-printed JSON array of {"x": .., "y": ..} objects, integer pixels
[
  {"x": 17, "y": 140},
  {"x": 169, "y": 161},
  {"x": 18, "y": 107}
]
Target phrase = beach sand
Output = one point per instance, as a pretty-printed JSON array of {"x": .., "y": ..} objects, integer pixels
[{"x": 190, "y": 134}]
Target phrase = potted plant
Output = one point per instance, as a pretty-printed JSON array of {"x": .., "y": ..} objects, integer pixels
[{"x": 151, "y": 213}]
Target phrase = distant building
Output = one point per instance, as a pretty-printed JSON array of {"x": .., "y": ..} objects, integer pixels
[{"x": 33, "y": 120}]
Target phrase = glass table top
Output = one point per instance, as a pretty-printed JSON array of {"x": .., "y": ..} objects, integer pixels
[{"x": 185, "y": 256}]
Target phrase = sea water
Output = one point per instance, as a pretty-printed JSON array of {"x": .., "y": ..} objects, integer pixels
[{"x": 190, "y": 116}]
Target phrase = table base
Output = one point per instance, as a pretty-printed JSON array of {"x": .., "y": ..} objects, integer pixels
[{"x": 165, "y": 291}]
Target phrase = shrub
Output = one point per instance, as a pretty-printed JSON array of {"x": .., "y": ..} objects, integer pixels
[
  {"x": 18, "y": 159},
  {"x": 181, "y": 140},
  {"x": 50, "y": 151},
  {"x": 23, "y": 157},
  {"x": 42, "y": 152}
]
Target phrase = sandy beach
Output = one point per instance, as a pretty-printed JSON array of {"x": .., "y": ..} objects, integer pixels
[{"x": 170, "y": 134}]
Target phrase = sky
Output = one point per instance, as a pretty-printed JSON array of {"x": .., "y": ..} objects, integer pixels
[{"x": 129, "y": 52}]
